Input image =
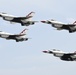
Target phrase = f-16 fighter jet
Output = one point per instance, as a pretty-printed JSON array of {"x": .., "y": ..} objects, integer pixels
[
  {"x": 62, "y": 55},
  {"x": 17, "y": 37},
  {"x": 25, "y": 21},
  {"x": 60, "y": 26}
]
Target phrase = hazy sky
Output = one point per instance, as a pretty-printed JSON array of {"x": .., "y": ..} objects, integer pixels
[{"x": 27, "y": 58}]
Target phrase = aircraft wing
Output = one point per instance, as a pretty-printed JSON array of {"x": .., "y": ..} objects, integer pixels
[
  {"x": 71, "y": 25},
  {"x": 17, "y": 35},
  {"x": 13, "y": 36},
  {"x": 70, "y": 53},
  {"x": 22, "y": 18}
]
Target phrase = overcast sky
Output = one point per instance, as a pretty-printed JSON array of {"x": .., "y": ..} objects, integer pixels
[{"x": 27, "y": 58}]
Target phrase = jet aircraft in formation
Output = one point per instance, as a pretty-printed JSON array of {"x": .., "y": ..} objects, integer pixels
[
  {"x": 17, "y": 37},
  {"x": 60, "y": 26},
  {"x": 24, "y": 21},
  {"x": 62, "y": 55}
]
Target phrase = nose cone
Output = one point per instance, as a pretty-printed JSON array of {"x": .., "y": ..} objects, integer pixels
[
  {"x": 45, "y": 52},
  {"x": 43, "y": 21},
  {"x": 48, "y": 52}
]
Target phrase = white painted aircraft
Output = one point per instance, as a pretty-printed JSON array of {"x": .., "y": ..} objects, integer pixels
[
  {"x": 62, "y": 55},
  {"x": 60, "y": 26},
  {"x": 17, "y": 37},
  {"x": 25, "y": 21}
]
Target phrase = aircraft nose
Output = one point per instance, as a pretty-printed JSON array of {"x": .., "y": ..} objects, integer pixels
[
  {"x": 45, "y": 51},
  {"x": 43, "y": 21}
]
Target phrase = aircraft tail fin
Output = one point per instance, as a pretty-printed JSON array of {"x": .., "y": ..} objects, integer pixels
[
  {"x": 74, "y": 22},
  {"x": 23, "y": 32},
  {"x": 31, "y": 14}
]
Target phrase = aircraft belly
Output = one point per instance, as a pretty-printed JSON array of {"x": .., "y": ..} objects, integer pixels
[
  {"x": 16, "y": 20},
  {"x": 18, "y": 37},
  {"x": 57, "y": 26},
  {"x": 24, "y": 21},
  {"x": 58, "y": 55}
]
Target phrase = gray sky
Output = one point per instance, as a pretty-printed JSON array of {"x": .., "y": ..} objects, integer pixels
[{"x": 26, "y": 58}]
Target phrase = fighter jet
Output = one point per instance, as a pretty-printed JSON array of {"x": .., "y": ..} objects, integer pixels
[
  {"x": 17, "y": 37},
  {"x": 60, "y": 26},
  {"x": 24, "y": 21},
  {"x": 62, "y": 55}
]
